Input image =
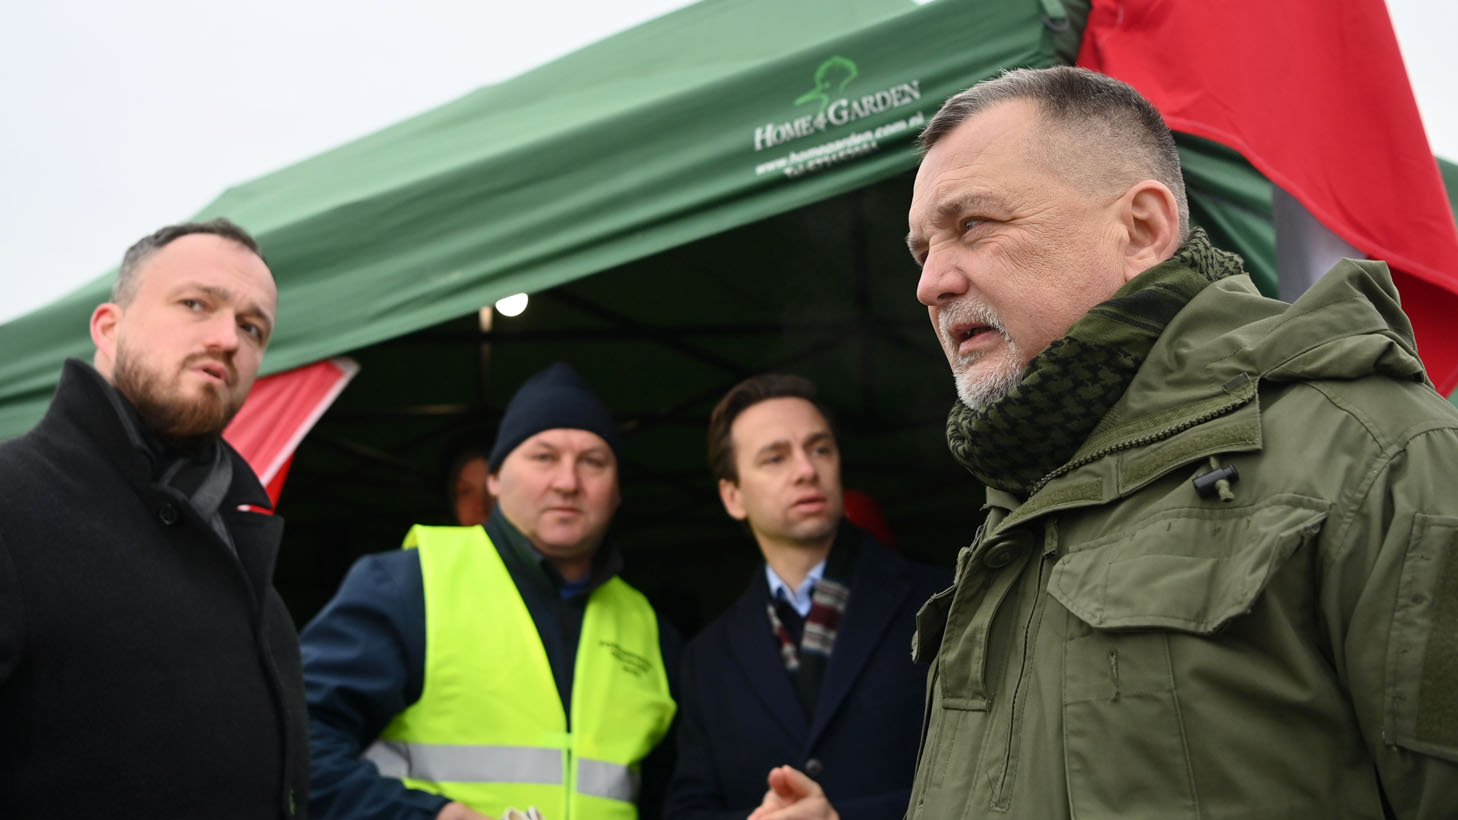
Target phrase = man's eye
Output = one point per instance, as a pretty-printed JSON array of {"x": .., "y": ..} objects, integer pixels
[
  {"x": 253, "y": 330},
  {"x": 970, "y": 223},
  {"x": 192, "y": 304}
]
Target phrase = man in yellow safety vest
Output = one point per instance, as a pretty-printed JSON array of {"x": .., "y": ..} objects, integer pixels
[{"x": 498, "y": 666}]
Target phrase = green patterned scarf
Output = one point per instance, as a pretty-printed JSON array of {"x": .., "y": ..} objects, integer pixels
[{"x": 1033, "y": 430}]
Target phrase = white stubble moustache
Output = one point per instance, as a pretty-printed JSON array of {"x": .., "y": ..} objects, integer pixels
[{"x": 978, "y": 389}]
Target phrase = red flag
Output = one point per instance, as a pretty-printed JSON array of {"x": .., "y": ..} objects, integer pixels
[
  {"x": 1315, "y": 96},
  {"x": 280, "y": 410}
]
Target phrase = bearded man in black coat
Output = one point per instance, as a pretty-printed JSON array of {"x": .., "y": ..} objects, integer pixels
[{"x": 147, "y": 667}]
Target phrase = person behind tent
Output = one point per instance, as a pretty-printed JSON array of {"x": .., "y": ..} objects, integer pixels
[
  {"x": 500, "y": 666},
  {"x": 468, "y": 492}
]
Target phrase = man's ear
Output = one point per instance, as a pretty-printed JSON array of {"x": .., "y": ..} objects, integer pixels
[
  {"x": 1152, "y": 223},
  {"x": 733, "y": 503},
  {"x": 104, "y": 322},
  {"x": 493, "y": 484}
]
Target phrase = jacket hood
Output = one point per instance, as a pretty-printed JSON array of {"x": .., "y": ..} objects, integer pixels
[{"x": 1349, "y": 325}]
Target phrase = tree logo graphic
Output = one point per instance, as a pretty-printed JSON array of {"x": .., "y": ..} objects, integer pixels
[{"x": 836, "y": 68}]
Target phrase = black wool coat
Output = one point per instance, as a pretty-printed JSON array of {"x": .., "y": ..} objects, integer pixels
[
  {"x": 739, "y": 716},
  {"x": 146, "y": 670}
]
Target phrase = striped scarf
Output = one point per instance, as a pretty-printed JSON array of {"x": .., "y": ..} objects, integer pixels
[
  {"x": 807, "y": 660},
  {"x": 827, "y": 605}
]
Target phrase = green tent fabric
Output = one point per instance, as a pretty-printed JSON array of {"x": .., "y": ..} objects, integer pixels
[{"x": 709, "y": 118}]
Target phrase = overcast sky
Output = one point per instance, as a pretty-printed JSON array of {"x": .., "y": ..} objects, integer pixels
[{"x": 121, "y": 117}]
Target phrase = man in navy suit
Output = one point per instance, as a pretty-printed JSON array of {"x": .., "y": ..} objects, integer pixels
[{"x": 811, "y": 668}]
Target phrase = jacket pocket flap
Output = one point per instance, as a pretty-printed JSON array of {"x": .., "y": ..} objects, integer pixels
[
  {"x": 931, "y": 622},
  {"x": 1422, "y": 650},
  {"x": 1190, "y": 570}
]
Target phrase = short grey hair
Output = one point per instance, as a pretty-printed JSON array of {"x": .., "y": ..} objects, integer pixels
[
  {"x": 145, "y": 248},
  {"x": 1104, "y": 118}
]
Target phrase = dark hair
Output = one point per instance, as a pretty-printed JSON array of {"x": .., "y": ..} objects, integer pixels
[
  {"x": 741, "y": 397},
  {"x": 1103, "y": 117},
  {"x": 146, "y": 247}
]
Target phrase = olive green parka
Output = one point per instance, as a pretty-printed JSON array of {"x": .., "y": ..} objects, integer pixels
[{"x": 1127, "y": 644}]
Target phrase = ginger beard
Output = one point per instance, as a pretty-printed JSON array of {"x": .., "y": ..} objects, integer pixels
[
  {"x": 981, "y": 378},
  {"x": 164, "y": 406}
]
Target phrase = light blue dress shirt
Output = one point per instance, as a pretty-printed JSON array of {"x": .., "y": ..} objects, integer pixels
[{"x": 797, "y": 598}]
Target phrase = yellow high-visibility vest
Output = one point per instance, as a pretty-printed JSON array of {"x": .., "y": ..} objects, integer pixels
[{"x": 489, "y": 729}]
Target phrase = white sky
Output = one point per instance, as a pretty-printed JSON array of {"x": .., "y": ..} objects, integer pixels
[{"x": 122, "y": 117}]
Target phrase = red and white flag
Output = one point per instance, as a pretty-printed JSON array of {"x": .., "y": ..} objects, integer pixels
[
  {"x": 1315, "y": 96},
  {"x": 280, "y": 411}
]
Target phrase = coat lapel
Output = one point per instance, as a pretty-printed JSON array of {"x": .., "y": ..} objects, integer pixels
[
  {"x": 256, "y": 537},
  {"x": 753, "y": 648},
  {"x": 877, "y": 590}
]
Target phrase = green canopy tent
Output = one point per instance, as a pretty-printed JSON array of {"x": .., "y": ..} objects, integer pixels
[
  {"x": 642, "y": 142},
  {"x": 733, "y": 171},
  {"x": 715, "y": 193}
]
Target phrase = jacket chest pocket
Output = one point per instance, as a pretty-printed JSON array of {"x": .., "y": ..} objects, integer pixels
[{"x": 1148, "y": 607}]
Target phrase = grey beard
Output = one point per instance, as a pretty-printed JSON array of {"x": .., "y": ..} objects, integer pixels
[
  {"x": 983, "y": 390},
  {"x": 977, "y": 392}
]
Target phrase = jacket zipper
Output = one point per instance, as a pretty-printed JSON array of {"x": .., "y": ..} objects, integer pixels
[
  {"x": 1000, "y": 798},
  {"x": 1139, "y": 441}
]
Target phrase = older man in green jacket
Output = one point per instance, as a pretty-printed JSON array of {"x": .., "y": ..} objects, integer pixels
[{"x": 1219, "y": 572}]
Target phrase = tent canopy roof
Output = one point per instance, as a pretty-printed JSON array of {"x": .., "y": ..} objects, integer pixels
[{"x": 712, "y": 117}]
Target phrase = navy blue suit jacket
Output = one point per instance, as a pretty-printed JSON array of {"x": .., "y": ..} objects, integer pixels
[{"x": 739, "y": 717}]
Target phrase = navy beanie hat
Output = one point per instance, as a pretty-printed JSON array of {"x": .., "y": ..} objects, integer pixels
[{"x": 554, "y": 398}]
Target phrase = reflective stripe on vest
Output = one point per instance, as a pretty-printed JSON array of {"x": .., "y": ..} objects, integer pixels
[
  {"x": 500, "y": 764},
  {"x": 613, "y": 781},
  {"x": 466, "y": 764},
  {"x": 489, "y": 729}
]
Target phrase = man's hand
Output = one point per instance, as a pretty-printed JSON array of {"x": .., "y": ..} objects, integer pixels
[
  {"x": 793, "y": 795},
  {"x": 459, "y": 811}
]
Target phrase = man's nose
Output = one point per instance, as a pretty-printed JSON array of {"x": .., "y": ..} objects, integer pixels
[
  {"x": 223, "y": 333},
  {"x": 940, "y": 281},
  {"x": 805, "y": 469},
  {"x": 564, "y": 477}
]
